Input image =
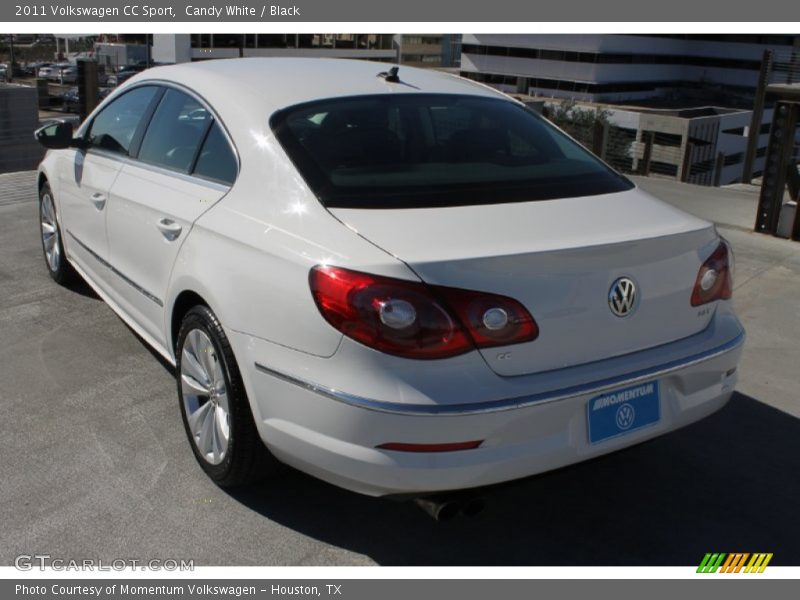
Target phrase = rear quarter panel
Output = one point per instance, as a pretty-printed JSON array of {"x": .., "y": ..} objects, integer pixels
[{"x": 250, "y": 255}]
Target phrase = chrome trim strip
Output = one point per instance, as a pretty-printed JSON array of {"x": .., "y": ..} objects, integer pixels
[
  {"x": 114, "y": 270},
  {"x": 187, "y": 177},
  {"x": 140, "y": 164},
  {"x": 508, "y": 403}
]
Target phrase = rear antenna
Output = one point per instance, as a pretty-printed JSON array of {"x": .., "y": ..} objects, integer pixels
[{"x": 391, "y": 76}]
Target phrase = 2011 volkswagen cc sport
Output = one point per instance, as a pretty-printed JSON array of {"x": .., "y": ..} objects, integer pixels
[{"x": 400, "y": 282}]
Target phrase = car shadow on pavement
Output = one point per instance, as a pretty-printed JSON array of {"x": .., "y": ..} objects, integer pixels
[
  {"x": 80, "y": 287},
  {"x": 729, "y": 483}
]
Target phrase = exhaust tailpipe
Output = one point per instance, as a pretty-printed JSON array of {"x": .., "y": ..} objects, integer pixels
[{"x": 445, "y": 507}]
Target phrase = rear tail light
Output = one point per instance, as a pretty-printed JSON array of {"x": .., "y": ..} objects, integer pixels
[
  {"x": 491, "y": 320},
  {"x": 715, "y": 277},
  {"x": 391, "y": 315},
  {"x": 414, "y": 320}
]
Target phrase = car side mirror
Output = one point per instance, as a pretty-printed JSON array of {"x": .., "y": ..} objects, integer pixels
[{"x": 57, "y": 135}]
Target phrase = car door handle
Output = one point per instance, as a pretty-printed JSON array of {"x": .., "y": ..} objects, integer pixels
[
  {"x": 99, "y": 200},
  {"x": 169, "y": 228}
]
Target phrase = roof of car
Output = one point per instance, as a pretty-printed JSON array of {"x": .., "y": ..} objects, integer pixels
[{"x": 270, "y": 84}]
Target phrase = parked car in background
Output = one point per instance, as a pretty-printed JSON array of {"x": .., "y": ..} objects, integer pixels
[
  {"x": 53, "y": 72},
  {"x": 32, "y": 69},
  {"x": 6, "y": 71},
  {"x": 68, "y": 75},
  {"x": 124, "y": 73},
  {"x": 44, "y": 71},
  {"x": 399, "y": 282},
  {"x": 70, "y": 99},
  {"x": 46, "y": 38},
  {"x": 123, "y": 76}
]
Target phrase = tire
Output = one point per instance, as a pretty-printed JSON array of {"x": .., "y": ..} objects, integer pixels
[
  {"x": 52, "y": 240},
  {"x": 214, "y": 406}
]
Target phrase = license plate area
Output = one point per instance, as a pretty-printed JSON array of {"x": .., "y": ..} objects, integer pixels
[{"x": 620, "y": 412}]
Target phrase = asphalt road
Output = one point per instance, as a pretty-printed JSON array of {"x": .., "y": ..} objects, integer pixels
[{"x": 95, "y": 463}]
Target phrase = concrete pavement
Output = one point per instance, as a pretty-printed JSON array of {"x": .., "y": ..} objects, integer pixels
[{"x": 95, "y": 463}]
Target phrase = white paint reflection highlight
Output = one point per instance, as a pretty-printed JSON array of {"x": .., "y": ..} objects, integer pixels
[
  {"x": 296, "y": 208},
  {"x": 261, "y": 140}
]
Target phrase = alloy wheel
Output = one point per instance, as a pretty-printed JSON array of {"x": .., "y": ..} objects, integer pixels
[
  {"x": 50, "y": 235},
  {"x": 205, "y": 396}
]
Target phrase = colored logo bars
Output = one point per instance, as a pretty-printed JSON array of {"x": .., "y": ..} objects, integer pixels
[{"x": 734, "y": 563}]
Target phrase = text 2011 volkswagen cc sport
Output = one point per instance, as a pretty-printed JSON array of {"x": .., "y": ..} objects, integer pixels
[{"x": 400, "y": 282}]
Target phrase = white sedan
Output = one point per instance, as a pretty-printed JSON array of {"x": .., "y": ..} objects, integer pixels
[{"x": 401, "y": 282}]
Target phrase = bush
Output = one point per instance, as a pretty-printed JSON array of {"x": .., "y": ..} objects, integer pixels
[{"x": 580, "y": 123}]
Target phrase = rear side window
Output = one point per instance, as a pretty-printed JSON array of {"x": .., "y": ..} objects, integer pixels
[
  {"x": 423, "y": 150},
  {"x": 216, "y": 161},
  {"x": 175, "y": 132},
  {"x": 114, "y": 127}
]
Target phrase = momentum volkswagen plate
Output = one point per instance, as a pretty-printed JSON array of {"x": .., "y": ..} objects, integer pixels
[{"x": 622, "y": 411}]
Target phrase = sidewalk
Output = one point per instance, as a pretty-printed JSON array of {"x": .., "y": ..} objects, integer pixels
[{"x": 733, "y": 207}]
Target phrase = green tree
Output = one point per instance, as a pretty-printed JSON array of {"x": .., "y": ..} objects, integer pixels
[{"x": 580, "y": 123}]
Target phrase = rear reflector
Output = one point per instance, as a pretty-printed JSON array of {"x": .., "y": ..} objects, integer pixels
[{"x": 452, "y": 447}]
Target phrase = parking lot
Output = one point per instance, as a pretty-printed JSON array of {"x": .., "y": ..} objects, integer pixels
[{"x": 96, "y": 463}]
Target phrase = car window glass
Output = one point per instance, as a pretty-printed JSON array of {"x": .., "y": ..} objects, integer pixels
[
  {"x": 424, "y": 150},
  {"x": 113, "y": 129},
  {"x": 216, "y": 161},
  {"x": 175, "y": 132}
]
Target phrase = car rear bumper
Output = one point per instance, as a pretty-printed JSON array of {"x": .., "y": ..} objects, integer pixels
[{"x": 333, "y": 434}]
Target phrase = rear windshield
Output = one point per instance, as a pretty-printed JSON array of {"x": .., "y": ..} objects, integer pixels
[{"x": 427, "y": 150}]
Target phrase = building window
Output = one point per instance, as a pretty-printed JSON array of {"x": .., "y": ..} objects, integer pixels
[{"x": 201, "y": 40}]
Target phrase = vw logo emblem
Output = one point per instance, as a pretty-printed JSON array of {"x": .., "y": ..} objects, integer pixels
[
  {"x": 622, "y": 297},
  {"x": 625, "y": 416}
]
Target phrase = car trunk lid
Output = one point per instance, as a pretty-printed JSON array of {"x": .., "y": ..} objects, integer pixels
[{"x": 559, "y": 258}]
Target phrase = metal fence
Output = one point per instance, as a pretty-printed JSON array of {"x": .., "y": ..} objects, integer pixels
[
  {"x": 620, "y": 148},
  {"x": 784, "y": 66},
  {"x": 785, "y": 69},
  {"x": 632, "y": 151}
]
